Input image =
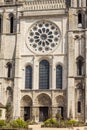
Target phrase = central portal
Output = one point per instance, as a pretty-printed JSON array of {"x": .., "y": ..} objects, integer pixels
[{"x": 43, "y": 113}]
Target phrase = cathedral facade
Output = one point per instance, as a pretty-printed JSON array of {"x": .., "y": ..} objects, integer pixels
[{"x": 43, "y": 58}]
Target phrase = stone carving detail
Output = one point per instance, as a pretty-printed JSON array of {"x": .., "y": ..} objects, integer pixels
[
  {"x": 26, "y": 101},
  {"x": 60, "y": 100},
  {"x": 43, "y": 99},
  {"x": 43, "y": 37}
]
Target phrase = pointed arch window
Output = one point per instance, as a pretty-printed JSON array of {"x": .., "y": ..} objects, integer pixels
[
  {"x": 9, "y": 91},
  {"x": 44, "y": 74},
  {"x": 79, "y": 107},
  {"x": 9, "y": 71},
  {"x": 80, "y": 62},
  {"x": 11, "y": 23},
  {"x": 79, "y": 19},
  {"x": 59, "y": 77},
  {"x": 28, "y": 77}
]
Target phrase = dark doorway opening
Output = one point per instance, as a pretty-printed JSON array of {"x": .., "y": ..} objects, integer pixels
[
  {"x": 60, "y": 111},
  {"x": 26, "y": 113},
  {"x": 43, "y": 113}
]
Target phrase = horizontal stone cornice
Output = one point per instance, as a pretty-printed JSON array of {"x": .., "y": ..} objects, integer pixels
[{"x": 43, "y": 13}]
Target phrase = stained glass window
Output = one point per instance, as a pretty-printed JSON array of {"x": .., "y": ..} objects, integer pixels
[
  {"x": 44, "y": 75},
  {"x": 28, "y": 77},
  {"x": 59, "y": 77}
]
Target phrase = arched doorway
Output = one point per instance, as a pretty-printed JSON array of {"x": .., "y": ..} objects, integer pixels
[
  {"x": 60, "y": 105},
  {"x": 26, "y": 108},
  {"x": 44, "y": 103}
]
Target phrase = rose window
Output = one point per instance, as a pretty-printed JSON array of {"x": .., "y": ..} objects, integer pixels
[{"x": 43, "y": 37}]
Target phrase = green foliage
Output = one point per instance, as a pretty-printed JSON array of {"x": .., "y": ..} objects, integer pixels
[
  {"x": 19, "y": 123},
  {"x": 29, "y": 122},
  {"x": 58, "y": 116},
  {"x": 0, "y": 112},
  {"x": 74, "y": 123},
  {"x": 2, "y": 123},
  {"x": 52, "y": 122}
]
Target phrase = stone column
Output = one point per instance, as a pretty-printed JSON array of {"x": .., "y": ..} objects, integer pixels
[
  {"x": 71, "y": 68},
  {"x": 35, "y": 108},
  {"x": 17, "y": 79}
]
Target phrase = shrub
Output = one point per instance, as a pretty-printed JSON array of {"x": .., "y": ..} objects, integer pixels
[
  {"x": 58, "y": 117},
  {"x": 19, "y": 123},
  {"x": 50, "y": 122},
  {"x": 2, "y": 123},
  {"x": 29, "y": 122},
  {"x": 70, "y": 123}
]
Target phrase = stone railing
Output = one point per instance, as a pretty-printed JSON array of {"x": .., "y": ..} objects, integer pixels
[{"x": 44, "y": 5}]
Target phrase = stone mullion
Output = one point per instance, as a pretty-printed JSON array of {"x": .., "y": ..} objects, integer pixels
[
  {"x": 53, "y": 103},
  {"x": 35, "y": 108},
  {"x": 53, "y": 75}
]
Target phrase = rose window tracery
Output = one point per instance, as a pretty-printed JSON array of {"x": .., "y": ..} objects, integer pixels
[{"x": 43, "y": 37}]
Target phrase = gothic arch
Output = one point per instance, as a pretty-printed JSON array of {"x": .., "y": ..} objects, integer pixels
[
  {"x": 45, "y": 58},
  {"x": 80, "y": 65},
  {"x": 81, "y": 18},
  {"x": 26, "y": 101},
  {"x": 59, "y": 101},
  {"x": 28, "y": 64},
  {"x": 9, "y": 91},
  {"x": 11, "y": 22},
  {"x": 43, "y": 100},
  {"x": 26, "y": 107},
  {"x": 59, "y": 63}
]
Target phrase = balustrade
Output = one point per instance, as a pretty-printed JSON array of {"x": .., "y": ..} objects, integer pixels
[{"x": 44, "y": 4}]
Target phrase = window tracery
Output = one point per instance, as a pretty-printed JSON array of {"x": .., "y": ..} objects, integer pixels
[{"x": 43, "y": 37}]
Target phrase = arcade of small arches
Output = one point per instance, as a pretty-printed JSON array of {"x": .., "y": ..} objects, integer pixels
[{"x": 41, "y": 107}]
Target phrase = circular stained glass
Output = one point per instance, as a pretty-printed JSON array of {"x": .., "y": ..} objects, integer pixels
[{"x": 43, "y": 37}]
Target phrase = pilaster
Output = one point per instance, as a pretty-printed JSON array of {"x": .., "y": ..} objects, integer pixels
[
  {"x": 35, "y": 74},
  {"x": 86, "y": 79},
  {"x": 71, "y": 86}
]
